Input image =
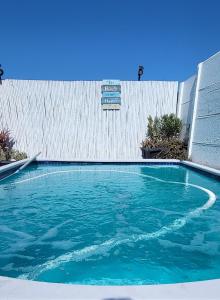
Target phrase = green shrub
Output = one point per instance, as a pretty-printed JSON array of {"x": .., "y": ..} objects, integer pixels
[
  {"x": 163, "y": 137},
  {"x": 167, "y": 126},
  {"x": 153, "y": 127},
  {"x": 170, "y": 126}
]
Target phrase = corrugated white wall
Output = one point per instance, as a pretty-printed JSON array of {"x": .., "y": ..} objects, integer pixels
[
  {"x": 65, "y": 120},
  {"x": 205, "y": 135},
  {"x": 185, "y": 104}
]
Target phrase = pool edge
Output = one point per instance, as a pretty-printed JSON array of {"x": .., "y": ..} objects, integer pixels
[
  {"x": 215, "y": 173},
  {"x": 24, "y": 289}
]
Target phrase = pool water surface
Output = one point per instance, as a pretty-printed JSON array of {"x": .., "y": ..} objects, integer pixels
[{"x": 110, "y": 224}]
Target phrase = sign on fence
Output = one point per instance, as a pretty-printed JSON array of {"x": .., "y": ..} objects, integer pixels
[{"x": 111, "y": 94}]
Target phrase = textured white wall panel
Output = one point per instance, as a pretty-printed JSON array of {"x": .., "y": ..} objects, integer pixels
[
  {"x": 206, "y": 155},
  {"x": 206, "y": 129},
  {"x": 186, "y": 102},
  {"x": 206, "y": 137},
  {"x": 210, "y": 72},
  {"x": 209, "y": 100},
  {"x": 65, "y": 120}
]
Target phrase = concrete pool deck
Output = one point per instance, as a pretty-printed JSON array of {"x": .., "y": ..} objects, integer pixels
[{"x": 11, "y": 289}]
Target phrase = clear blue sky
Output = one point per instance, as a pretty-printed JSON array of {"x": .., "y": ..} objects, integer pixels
[{"x": 100, "y": 39}]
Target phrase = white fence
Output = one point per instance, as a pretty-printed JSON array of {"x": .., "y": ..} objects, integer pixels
[
  {"x": 199, "y": 107},
  {"x": 64, "y": 120}
]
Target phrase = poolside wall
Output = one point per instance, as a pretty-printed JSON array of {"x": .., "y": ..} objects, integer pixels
[
  {"x": 64, "y": 119},
  {"x": 204, "y": 114},
  {"x": 185, "y": 104}
]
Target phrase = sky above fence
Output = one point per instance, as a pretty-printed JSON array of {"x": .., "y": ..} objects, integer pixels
[{"x": 100, "y": 39}]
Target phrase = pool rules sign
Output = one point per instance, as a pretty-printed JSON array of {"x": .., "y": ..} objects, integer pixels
[{"x": 111, "y": 94}]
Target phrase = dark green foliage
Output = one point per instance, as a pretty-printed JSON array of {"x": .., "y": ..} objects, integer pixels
[
  {"x": 170, "y": 126},
  {"x": 167, "y": 126},
  {"x": 153, "y": 127}
]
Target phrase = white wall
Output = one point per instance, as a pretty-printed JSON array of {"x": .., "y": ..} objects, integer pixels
[
  {"x": 65, "y": 121},
  {"x": 204, "y": 146},
  {"x": 199, "y": 109},
  {"x": 185, "y": 104}
]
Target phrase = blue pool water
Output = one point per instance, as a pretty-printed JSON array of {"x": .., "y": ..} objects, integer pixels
[{"x": 110, "y": 224}]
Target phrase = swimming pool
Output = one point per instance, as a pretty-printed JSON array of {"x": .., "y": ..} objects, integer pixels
[{"x": 110, "y": 224}]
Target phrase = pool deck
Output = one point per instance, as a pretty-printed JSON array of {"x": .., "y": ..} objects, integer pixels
[
  {"x": 14, "y": 289},
  {"x": 11, "y": 288}
]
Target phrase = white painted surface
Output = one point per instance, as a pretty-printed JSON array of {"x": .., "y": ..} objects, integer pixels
[
  {"x": 201, "y": 167},
  {"x": 210, "y": 73},
  {"x": 186, "y": 103},
  {"x": 13, "y": 165},
  {"x": 64, "y": 120},
  {"x": 18, "y": 165},
  {"x": 205, "y": 141},
  {"x": 14, "y": 289},
  {"x": 199, "y": 110},
  {"x": 29, "y": 161},
  {"x": 194, "y": 111}
]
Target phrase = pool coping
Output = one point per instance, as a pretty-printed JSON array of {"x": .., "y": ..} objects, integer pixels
[
  {"x": 13, "y": 288},
  {"x": 215, "y": 173},
  {"x": 114, "y": 161},
  {"x": 195, "y": 166},
  {"x": 201, "y": 168},
  {"x": 11, "y": 167}
]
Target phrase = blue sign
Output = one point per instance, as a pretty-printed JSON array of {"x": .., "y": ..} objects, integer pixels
[
  {"x": 111, "y": 94},
  {"x": 111, "y": 88},
  {"x": 116, "y": 100}
]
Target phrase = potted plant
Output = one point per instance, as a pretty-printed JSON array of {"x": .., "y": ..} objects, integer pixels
[
  {"x": 162, "y": 140},
  {"x": 7, "y": 153}
]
